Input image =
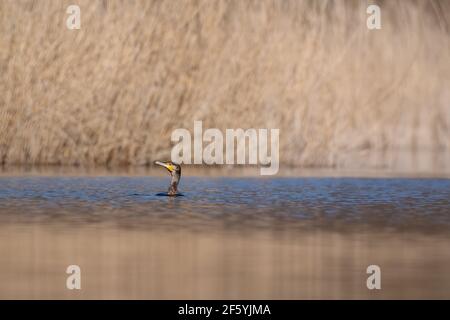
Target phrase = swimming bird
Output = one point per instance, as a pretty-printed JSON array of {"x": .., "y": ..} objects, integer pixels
[{"x": 175, "y": 172}]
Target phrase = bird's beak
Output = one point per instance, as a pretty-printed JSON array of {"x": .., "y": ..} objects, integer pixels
[{"x": 169, "y": 167}]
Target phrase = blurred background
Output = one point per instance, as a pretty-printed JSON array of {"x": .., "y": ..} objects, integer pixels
[{"x": 112, "y": 92}]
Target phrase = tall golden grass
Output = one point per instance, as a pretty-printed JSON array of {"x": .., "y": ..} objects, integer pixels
[{"x": 113, "y": 91}]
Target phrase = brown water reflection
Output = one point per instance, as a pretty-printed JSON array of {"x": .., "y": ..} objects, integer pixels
[{"x": 136, "y": 264}]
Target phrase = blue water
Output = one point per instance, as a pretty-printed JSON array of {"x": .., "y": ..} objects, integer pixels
[{"x": 407, "y": 204}]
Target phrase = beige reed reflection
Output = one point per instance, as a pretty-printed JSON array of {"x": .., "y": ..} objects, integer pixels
[
  {"x": 141, "y": 264},
  {"x": 113, "y": 91}
]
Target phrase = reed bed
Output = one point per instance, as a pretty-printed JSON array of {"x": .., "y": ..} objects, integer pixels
[{"x": 112, "y": 92}]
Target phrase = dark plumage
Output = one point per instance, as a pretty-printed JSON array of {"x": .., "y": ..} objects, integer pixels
[{"x": 175, "y": 172}]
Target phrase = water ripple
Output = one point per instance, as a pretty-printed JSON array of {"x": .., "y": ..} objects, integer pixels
[{"x": 251, "y": 202}]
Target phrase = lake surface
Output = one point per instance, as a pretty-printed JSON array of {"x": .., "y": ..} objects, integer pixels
[{"x": 230, "y": 238}]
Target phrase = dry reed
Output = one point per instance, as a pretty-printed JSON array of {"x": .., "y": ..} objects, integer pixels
[{"x": 113, "y": 91}]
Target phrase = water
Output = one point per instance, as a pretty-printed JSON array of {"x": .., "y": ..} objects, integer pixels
[
  {"x": 235, "y": 237},
  {"x": 413, "y": 204}
]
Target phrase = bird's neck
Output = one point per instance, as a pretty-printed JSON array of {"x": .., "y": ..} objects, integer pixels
[{"x": 174, "y": 184}]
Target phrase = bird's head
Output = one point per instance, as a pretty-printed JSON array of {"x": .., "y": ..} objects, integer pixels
[{"x": 172, "y": 167}]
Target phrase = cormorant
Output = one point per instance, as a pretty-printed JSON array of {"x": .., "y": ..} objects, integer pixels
[{"x": 175, "y": 172}]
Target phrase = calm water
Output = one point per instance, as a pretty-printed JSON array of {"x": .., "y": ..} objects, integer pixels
[
  {"x": 422, "y": 204},
  {"x": 225, "y": 237}
]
